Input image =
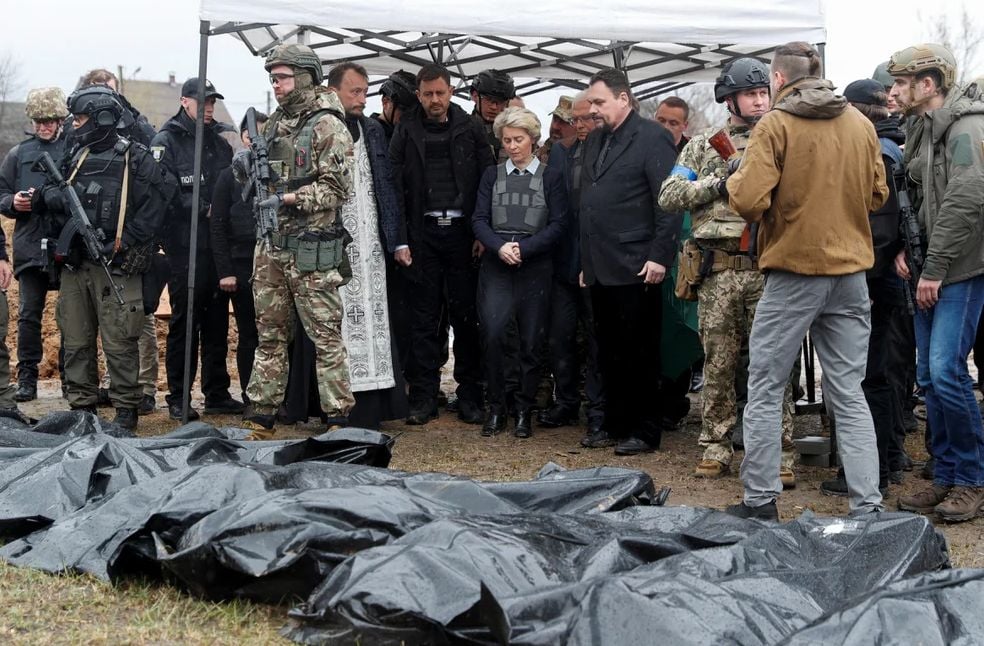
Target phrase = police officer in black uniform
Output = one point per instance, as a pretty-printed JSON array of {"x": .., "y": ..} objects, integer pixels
[
  {"x": 18, "y": 179},
  {"x": 124, "y": 195},
  {"x": 174, "y": 148},
  {"x": 233, "y": 229}
]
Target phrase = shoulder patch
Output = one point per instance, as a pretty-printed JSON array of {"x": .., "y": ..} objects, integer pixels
[{"x": 157, "y": 152}]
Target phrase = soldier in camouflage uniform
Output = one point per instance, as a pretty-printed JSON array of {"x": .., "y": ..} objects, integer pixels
[
  {"x": 311, "y": 152},
  {"x": 729, "y": 293}
]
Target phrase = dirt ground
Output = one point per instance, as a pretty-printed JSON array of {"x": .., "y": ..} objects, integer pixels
[{"x": 450, "y": 446}]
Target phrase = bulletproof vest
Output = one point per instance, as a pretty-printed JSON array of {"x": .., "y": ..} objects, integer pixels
[
  {"x": 292, "y": 157},
  {"x": 28, "y": 153},
  {"x": 442, "y": 191},
  {"x": 519, "y": 205},
  {"x": 99, "y": 185}
]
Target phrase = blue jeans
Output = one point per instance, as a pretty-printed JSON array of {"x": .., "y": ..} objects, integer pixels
[{"x": 944, "y": 337}]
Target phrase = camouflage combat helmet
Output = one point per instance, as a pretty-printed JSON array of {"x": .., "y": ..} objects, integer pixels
[
  {"x": 882, "y": 76},
  {"x": 46, "y": 103},
  {"x": 294, "y": 55},
  {"x": 920, "y": 58}
]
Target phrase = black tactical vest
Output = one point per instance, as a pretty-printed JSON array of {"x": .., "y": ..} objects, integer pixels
[
  {"x": 519, "y": 205},
  {"x": 28, "y": 153},
  {"x": 99, "y": 185},
  {"x": 442, "y": 191}
]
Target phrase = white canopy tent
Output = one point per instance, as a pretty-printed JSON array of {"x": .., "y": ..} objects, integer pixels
[{"x": 553, "y": 43}]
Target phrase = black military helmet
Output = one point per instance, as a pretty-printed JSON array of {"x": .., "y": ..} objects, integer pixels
[
  {"x": 99, "y": 102},
  {"x": 494, "y": 83},
  {"x": 740, "y": 74},
  {"x": 399, "y": 88}
]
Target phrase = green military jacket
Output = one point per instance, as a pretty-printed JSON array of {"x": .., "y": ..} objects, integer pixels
[
  {"x": 692, "y": 186},
  {"x": 945, "y": 161},
  {"x": 332, "y": 156}
]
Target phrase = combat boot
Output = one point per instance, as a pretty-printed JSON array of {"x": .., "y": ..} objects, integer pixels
[
  {"x": 126, "y": 418},
  {"x": 336, "y": 422},
  {"x": 788, "y": 477},
  {"x": 926, "y": 500},
  {"x": 711, "y": 469},
  {"x": 260, "y": 427},
  {"x": 962, "y": 503},
  {"x": 26, "y": 392}
]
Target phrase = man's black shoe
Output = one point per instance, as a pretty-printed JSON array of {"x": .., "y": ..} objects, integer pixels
[
  {"x": 909, "y": 421},
  {"x": 904, "y": 463},
  {"x": 494, "y": 423},
  {"x": 174, "y": 412},
  {"x": 422, "y": 413},
  {"x": 597, "y": 438},
  {"x": 633, "y": 446},
  {"x": 928, "y": 470},
  {"x": 834, "y": 487},
  {"x": 556, "y": 416},
  {"x": 767, "y": 511},
  {"x": 228, "y": 406},
  {"x": 147, "y": 405},
  {"x": 838, "y": 487},
  {"x": 126, "y": 418},
  {"x": 102, "y": 398},
  {"x": 451, "y": 404},
  {"x": 469, "y": 412},
  {"x": 26, "y": 392},
  {"x": 524, "y": 424}
]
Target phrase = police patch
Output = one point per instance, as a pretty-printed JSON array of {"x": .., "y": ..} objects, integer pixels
[{"x": 157, "y": 152}]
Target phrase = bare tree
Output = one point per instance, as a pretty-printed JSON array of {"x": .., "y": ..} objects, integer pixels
[
  {"x": 10, "y": 80},
  {"x": 705, "y": 113},
  {"x": 962, "y": 35}
]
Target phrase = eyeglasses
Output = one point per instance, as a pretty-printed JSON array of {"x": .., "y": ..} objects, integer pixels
[{"x": 279, "y": 78}]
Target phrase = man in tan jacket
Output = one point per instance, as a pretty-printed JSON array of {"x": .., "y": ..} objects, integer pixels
[{"x": 811, "y": 174}]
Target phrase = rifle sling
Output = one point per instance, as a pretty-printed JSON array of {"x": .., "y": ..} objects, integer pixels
[{"x": 119, "y": 220}]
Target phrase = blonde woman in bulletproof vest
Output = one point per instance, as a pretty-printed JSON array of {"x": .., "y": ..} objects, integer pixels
[{"x": 520, "y": 215}]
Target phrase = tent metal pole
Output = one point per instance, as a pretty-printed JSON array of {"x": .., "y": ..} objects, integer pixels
[{"x": 196, "y": 194}]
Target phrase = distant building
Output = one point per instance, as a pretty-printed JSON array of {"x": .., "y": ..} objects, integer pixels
[{"x": 156, "y": 100}]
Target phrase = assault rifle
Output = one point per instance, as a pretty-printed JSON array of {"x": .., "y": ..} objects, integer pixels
[
  {"x": 911, "y": 237},
  {"x": 260, "y": 177},
  {"x": 78, "y": 223}
]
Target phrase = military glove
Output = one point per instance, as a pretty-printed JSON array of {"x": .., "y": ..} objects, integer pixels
[
  {"x": 722, "y": 187},
  {"x": 733, "y": 165},
  {"x": 47, "y": 199},
  {"x": 274, "y": 201}
]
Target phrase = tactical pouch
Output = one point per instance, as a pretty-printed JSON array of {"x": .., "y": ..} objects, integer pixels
[
  {"x": 136, "y": 259},
  {"x": 330, "y": 254},
  {"x": 689, "y": 276},
  {"x": 306, "y": 256}
]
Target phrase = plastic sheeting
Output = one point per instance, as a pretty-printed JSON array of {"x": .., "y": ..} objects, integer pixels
[
  {"x": 578, "y": 557},
  {"x": 645, "y": 575},
  {"x": 935, "y": 609}
]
